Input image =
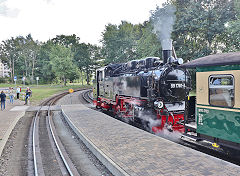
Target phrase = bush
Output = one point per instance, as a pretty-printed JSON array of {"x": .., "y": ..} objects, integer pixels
[{"x": 4, "y": 80}]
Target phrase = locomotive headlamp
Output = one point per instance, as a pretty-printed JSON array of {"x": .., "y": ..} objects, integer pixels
[
  {"x": 158, "y": 104},
  {"x": 180, "y": 61}
]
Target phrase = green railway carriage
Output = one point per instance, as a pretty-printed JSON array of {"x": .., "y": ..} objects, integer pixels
[{"x": 214, "y": 116}]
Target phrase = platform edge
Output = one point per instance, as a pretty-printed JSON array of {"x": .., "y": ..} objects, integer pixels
[
  {"x": 109, "y": 164},
  {"x": 9, "y": 131}
]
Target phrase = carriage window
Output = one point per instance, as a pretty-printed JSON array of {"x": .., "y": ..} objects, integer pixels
[{"x": 221, "y": 90}]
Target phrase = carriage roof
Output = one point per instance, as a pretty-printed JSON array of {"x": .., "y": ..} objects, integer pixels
[{"x": 215, "y": 60}]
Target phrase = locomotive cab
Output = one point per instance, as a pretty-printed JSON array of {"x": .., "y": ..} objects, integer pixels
[{"x": 98, "y": 85}]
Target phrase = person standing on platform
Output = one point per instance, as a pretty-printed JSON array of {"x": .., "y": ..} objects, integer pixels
[
  {"x": 10, "y": 91},
  {"x": 18, "y": 92},
  {"x": 28, "y": 94},
  {"x": 3, "y": 100}
]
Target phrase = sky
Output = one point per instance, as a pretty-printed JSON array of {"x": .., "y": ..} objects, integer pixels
[{"x": 45, "y": 19}]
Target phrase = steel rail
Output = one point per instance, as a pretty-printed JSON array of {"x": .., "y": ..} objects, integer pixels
[
  {"x": 66, "y": 164},
  {"x": 37, "y": 162},
  {"x": 65, "y": 159},
  {"x": 35, "y": 145},
  {"x": 34, "y": 150},
  {"x": 88, "y": 99}
]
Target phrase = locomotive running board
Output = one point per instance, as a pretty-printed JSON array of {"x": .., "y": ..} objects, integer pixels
[
  {"x": 200, "y": 142},
  {"x": 188, "y": 138},
  {"x": 192, "y": 127}
]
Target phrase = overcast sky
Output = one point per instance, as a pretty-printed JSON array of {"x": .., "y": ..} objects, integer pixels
[{"x": 45, "y": 19}]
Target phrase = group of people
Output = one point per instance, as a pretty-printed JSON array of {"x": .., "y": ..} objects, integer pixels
[{"x": 3, "y": 96}]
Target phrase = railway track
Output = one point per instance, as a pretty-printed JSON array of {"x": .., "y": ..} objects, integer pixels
[
  {"x": 63, "y": 161},
  {"x": 54, "y": 149},
  {"x": 87, "y": 97}
]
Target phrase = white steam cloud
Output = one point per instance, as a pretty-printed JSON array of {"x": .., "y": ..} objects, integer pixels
[
  {"x": 163, "y": 20},
  {"x": 173, "y": 136},
  {"x": 152, "y": 122}
]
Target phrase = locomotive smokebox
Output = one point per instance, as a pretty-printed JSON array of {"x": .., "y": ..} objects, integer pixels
[{"x": 166, "y": 49}]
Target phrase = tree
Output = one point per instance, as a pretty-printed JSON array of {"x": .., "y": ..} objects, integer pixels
[
  {"x": 201, "y": 26},
  {"x": 148, "y": 44},
  {"x": 20, "y": 53},
  {"x": 66, "y": 40},
  {"x": 61, "y": 60},
  {"x": 86, "y": 58},
  {"x": 44, "y": 68},
  {"x": 127, "y": 42},
  {"x": 95, "y": 60},
  {"x": 9, "y": 54},
  {"x": 232, "y": 38},
  {"x": 120, "y": 42}
]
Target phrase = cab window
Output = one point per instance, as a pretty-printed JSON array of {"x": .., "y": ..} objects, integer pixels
[
  {"x": 100, "y": 75},
  {"x": 221, "y": 90}
]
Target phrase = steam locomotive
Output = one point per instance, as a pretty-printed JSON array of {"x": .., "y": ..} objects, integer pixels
[{"x": 149, "y": 90}]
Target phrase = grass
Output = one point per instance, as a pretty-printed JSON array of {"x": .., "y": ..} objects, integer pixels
[
  {"x": 4, "y": 85},
  {"x": 44, "y": 91},
  {"x": 41, "y": 93}
]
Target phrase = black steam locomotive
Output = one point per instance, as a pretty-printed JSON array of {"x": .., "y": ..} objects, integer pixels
[{"x": 151, "y": 90}]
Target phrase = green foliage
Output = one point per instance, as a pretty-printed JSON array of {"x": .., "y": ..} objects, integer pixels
[
  {"x": 148, "y": 44},
  {"x": 61, "y": 60},
  {"x": 31, "y": 59},
  {"x": 4, "y": 80},
  {"x": 20, "y": 54},
  {"x": 200, "y": 28},
  {"x": 232, "y": 39},
  {"x": 127, "y": 42},
  {"x": 44, "y": 71},
  {"x": 68, "y": 41},
  {"x": 116, "y": 43}
]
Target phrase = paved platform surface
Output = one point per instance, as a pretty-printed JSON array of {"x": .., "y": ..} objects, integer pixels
[
  {"x": 139, "y": 153},
  {"x": 8, "y": 119}
]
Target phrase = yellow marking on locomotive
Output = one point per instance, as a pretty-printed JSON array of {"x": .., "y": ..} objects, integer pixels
[{"x": 215, "y": 145}]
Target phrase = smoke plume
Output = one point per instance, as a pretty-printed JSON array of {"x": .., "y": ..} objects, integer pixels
[
  {"x": 172, "y": 136},
  {"x": 151, "y": 122},
  {"x": 163, "y": 20}
]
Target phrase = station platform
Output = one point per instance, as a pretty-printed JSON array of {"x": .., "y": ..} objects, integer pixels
[
  {"x": 126, "y": 150},
  {"x": 9, "y": 118}
]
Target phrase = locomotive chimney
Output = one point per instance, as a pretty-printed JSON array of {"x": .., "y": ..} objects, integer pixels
[{"x": 166, "y": 49}]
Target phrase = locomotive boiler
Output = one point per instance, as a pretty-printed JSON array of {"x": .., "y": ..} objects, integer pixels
[{"x": 150, "y": 90}]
